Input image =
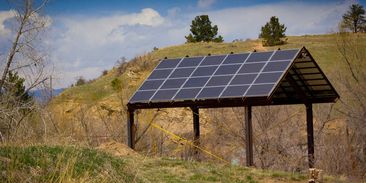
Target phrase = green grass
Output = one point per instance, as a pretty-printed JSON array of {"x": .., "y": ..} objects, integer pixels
[
  {"x": 75, "y": 164},
  {"x": 59, "y": 164}
]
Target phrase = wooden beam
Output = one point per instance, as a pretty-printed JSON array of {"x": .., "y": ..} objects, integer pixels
[
  {"x": 196, "y": 131},
  {"x": 131, "y": 129},
  {"x": 249, "y": 135},
  {"x": 310, "y": 134}
]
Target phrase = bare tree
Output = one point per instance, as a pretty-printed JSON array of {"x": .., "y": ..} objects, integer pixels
[
  {"x": 23, "y": 52},
  {"x": 24, "y": 58},
  {"x": 353, "y": 86}
]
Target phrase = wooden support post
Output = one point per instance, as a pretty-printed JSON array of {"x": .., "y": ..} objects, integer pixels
[
  {"x": 310, "y": 133},
  {"x": 249, "y": 135},
  {"x": 130, "y": 129},
  {"x": 196, "y": 131}
]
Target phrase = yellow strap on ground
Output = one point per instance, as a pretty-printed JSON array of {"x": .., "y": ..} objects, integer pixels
[{"x": 185, "y": 141}]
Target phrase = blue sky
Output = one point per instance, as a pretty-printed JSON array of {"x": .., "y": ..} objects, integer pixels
[{"x": 86, "y": 37}]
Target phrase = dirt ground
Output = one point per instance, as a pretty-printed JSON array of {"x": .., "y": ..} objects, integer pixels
[{"x": 117, "y": 149}]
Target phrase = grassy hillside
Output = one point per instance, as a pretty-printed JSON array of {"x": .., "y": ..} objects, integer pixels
[
  {"x": 322, "y": 47},
  {"x": 75, "y": 164}
]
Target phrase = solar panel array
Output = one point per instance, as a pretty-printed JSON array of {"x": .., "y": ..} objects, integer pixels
[{"x": 215, "y": 77}]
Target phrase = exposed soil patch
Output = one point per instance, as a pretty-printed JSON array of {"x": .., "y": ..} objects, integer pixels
[{"x": 117, "y": 149}]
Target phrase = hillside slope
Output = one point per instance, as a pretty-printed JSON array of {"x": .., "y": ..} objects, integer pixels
[{"x": 322, "y": 47}]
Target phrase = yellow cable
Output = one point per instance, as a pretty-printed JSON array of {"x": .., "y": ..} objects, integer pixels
[{"x": 185, "y": 141}]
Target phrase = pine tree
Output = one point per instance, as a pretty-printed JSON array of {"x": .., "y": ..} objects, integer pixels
[
  {"x": 14, "y": 86},
  {"x": 203, "y": 31},
  {"x": 354, "y": 19},
  {"x": 273, "y": 33}
]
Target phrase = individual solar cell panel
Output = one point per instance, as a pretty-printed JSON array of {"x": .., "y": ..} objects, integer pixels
[
  {"x": 190, "y": 93},
  {"x": 236, "y": 58},
  {"x": 181, "y": 72},
  {"x": 227, "y": 69},
  {"x": 213, "y": 60},
  {"x": 196, "y": 82},
  {"x": 190, "y": 62},
  {"x": 276, "y": 66},
  {"x": 284, "y": 55},
  {"x": 243, "y": 79},
  {"x": 164, "y": 95},
  {"x": 168, "y": 63},
  {"x": 268, "y": 77},
  {"x": 259, "y": 56},
  {"x": 212, "y": 92},
  {"x": 235, "y": 91},
  {"x": 251, "y": 68},
  {"x": 142, "y": 96},
  {"x": 173, "y": 83},
  {"x": 219, "y": 80},
  {"x": 152, "y": 84},
  {"x": 260, "y": 90},
  {"x": 204, "y": 71},
  {"x": 160, "y": 74}
]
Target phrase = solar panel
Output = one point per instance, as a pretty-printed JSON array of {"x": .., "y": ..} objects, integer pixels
[
  {"x": 210, "y": 92},
  {"x": 268, "y": 78},
  {"x": 227, "y": 69},
  {"x": 187, "y": 93},
  {"x": 196, "y": 82},
  {"x": 219, "y": 80},
  {"x": 284, "y": 55},
  {"x": 234, "y": 91},
  {"x": 243, "y": 79},
  {"x": 160, "y": 74},
  {"x": 213, "y": 60},
  {"x": 173, "y": 83},
  {"x": 190, "y": 62},
  {"x": 259, "y": 90},
  {"x": 236, "y": 58},
  {"x": 142, "y": 96},
  {"x": 215, "y": 77},
  {"x": 153, "y": 84},
  {"x": 277, "y": 66},
  {"x": 182, "y": 72},
  {"x": 164, "y": 95},
  {"x": 260, "y": 56},
  {"x": 168, "y": 63},
  {"x": 205, "y": 71},
  {"x": 251, "y": 68}
]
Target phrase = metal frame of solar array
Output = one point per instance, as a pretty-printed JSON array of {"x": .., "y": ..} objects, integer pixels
[
  {"x": 217, "y": 78},
  {"x": 309, "y": 78}
]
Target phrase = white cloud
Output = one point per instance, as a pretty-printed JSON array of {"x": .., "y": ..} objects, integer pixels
[
  {"x": 97, "y": 42},
  {"x": 84, "y": 46},
  {"x": 205, "y": 3},
  {"x": 300, "y": 18},
  {"x": 5, "y": 15}
]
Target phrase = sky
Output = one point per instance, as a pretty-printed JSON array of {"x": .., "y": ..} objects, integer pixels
[{"x": 85, "y": 37}]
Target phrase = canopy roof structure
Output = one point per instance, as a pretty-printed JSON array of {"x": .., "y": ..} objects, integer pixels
[
  {"x": 256, "y": 78},
  {"x": 280, "y": 77}
]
